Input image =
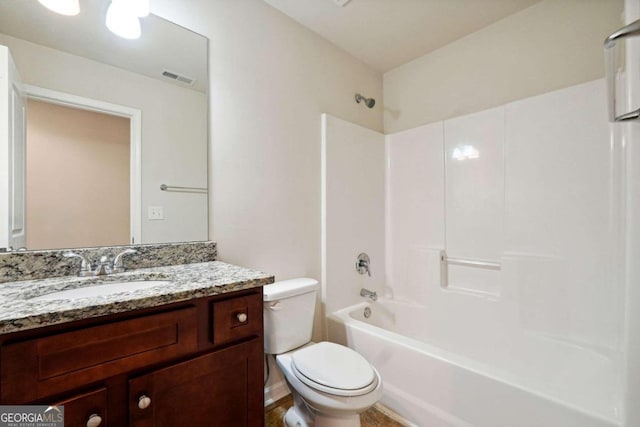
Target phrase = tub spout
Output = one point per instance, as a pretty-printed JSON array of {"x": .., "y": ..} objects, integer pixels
[{"x": 373, "y": 296}]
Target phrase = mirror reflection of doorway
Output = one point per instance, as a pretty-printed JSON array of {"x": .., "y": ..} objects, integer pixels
[{"x": 79, "y": 159}]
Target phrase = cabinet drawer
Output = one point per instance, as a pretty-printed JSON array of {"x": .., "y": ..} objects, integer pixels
[
  {"x": 50, "y": 365},
  {"x": 79, "y": 409},
  {"x": 236, "y": 318}
]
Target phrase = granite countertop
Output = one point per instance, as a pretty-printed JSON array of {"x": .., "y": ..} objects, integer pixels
[{"x": 183, "y": 282}]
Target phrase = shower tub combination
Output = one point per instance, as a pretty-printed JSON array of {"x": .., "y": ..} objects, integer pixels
[{"x": 539, "y": 382}]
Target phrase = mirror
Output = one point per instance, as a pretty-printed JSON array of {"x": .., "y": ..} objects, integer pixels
[{"x": 152, "y": 91}]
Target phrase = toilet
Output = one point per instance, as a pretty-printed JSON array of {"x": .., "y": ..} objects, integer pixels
[{"x": 331, "y": 384}]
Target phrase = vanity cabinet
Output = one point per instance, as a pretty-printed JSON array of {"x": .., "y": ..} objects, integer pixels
[
  {"x": 86, "y": 410},
  {"x": 209, "y": 390},
  {"x": 195, "y": 363}
]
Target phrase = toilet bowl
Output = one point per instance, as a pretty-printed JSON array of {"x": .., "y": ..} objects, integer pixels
[
  {"x": 328, "y": 394},
  {"x": 331, "y": 384}
]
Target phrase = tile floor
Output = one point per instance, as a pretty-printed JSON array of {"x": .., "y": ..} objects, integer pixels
[{"x": 371, "y": 418}]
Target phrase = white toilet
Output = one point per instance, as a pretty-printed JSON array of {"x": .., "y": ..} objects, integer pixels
[{"x": 331, "y": 384}]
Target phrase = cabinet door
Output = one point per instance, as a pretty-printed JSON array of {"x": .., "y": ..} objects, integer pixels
[
  {"x": 222, "y": 388},
  {"x": 86, "y": 410}
]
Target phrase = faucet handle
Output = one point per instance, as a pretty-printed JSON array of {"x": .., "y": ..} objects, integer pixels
[
  {"x": 103, "y": 267},
  {"x": 85, "y": 266},
  {"x": 118, "y": 263},
  {"x": 363, "y": 264}
]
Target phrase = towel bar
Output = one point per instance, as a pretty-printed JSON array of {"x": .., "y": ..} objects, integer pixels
[
  {"x": 632, "y": 29},
  {"x": 165, "y": 187}
]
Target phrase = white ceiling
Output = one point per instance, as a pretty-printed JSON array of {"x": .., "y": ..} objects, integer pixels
[
  {"x": 389, "y": 33},
  {"x": 163, "y": 45}
]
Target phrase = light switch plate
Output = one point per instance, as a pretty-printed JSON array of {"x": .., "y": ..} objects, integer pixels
[{"x": 155, "y": 213}]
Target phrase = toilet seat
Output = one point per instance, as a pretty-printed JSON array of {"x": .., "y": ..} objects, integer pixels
[{"x": 334, "y": 369}]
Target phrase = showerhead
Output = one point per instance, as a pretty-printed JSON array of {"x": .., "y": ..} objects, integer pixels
[{"x": 369, "y": 102}]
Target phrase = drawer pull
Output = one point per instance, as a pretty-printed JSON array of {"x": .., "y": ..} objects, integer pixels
[
  {"x": 94, "y": 420},
  {"x": 144, "y": 402},
  {"x": 242, "y": 317}
]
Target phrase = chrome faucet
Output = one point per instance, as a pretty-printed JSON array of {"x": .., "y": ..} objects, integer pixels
[
  {"x": 118, "y": 263},
  {"x": 373, "y": 296},
  {"x": 104, "y": 266},
  {"x": 362, "y": 264},
  {"x": 85, "y": 266}
]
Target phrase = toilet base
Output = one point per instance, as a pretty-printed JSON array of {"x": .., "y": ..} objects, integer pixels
[
  {"x": 293, "y": 418},
  {"x": 299, "y": 418}
]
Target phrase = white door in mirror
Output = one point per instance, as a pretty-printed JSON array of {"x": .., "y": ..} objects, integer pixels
[{"x": 12, "y": 154}]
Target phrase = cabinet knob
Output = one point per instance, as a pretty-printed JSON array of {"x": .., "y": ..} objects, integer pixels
[
  {"x": 94, "y": 420},
  {"x": 242, "y": 317},
  {"x": 144, "y": 402}
]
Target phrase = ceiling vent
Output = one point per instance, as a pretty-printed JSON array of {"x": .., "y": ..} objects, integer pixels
[{"x": 178, "y": 77}]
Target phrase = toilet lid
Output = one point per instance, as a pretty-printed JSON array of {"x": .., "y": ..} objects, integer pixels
[{"x": 335, "y": 367}]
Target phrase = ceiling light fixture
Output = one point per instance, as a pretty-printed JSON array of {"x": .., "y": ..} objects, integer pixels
[
  {"x": 63, "y": 7},
  {"x": 122, "y": 22},
  {"x": 139, "y": 8}
]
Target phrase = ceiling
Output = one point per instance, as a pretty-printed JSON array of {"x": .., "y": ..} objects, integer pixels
[
  {"x": 163, "y": 45},
  {"x": 389, "y": 33}
]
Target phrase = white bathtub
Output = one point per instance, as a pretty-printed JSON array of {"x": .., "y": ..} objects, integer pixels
[{"x": 431, "y": 385}]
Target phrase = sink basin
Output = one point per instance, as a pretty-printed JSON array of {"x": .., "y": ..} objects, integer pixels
[{"x": 103, "y": 289}]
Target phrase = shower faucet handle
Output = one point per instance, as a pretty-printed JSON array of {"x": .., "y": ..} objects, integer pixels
[{"x": 363, "y": 264}]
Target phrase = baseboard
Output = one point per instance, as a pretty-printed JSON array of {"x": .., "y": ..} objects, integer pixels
[
  {"x": 275, "y": 392},
  {"x": 394, "y": 415}
]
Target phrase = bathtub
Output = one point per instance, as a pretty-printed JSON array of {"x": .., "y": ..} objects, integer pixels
[{"x": 428, "y": 381}]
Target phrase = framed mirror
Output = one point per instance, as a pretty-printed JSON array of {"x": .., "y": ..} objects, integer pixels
[{"x": 116, "y": 130}]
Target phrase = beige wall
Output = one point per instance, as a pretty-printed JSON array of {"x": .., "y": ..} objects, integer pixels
[
  {"x": 548, "y": 46},
  {"x": 271, "y": 79},
  {"x": 77, "y": 183}
]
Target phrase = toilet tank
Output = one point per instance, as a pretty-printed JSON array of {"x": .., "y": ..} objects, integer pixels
[{"x": 288, "y": 309}]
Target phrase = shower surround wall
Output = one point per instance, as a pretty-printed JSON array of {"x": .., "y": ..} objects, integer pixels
[
  {"x": 352, "y": 211},
  {"x": 534, "y": 187}
]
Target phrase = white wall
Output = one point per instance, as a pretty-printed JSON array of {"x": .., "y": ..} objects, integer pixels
[
  {"x": 353, "y": 211},
  {"x": 414, "y": 206},
  {"x": 548, "y": 46},
  {"x": 541, "y": 198},
  {"x": 173, "y": 147},
  {"x": 271, "y": 79}
]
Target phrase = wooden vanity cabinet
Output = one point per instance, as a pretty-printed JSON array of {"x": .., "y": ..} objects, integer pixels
[
  {"x": 196, "y": 363},
  {"x": 86, "y": 410},
  {"x": 209, "y": 390}
]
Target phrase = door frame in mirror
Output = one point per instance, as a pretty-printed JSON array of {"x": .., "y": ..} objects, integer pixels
[{"x": 135, "y": 117}]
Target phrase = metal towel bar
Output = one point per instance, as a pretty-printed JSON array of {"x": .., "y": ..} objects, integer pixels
[
  {"x": 165, "y": 187},
  {"x": 445, "y": 261},
  {"x": 632, "y": 29}
]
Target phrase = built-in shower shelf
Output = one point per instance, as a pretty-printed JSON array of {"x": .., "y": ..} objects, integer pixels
[{"x": 446, "y": 261}]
